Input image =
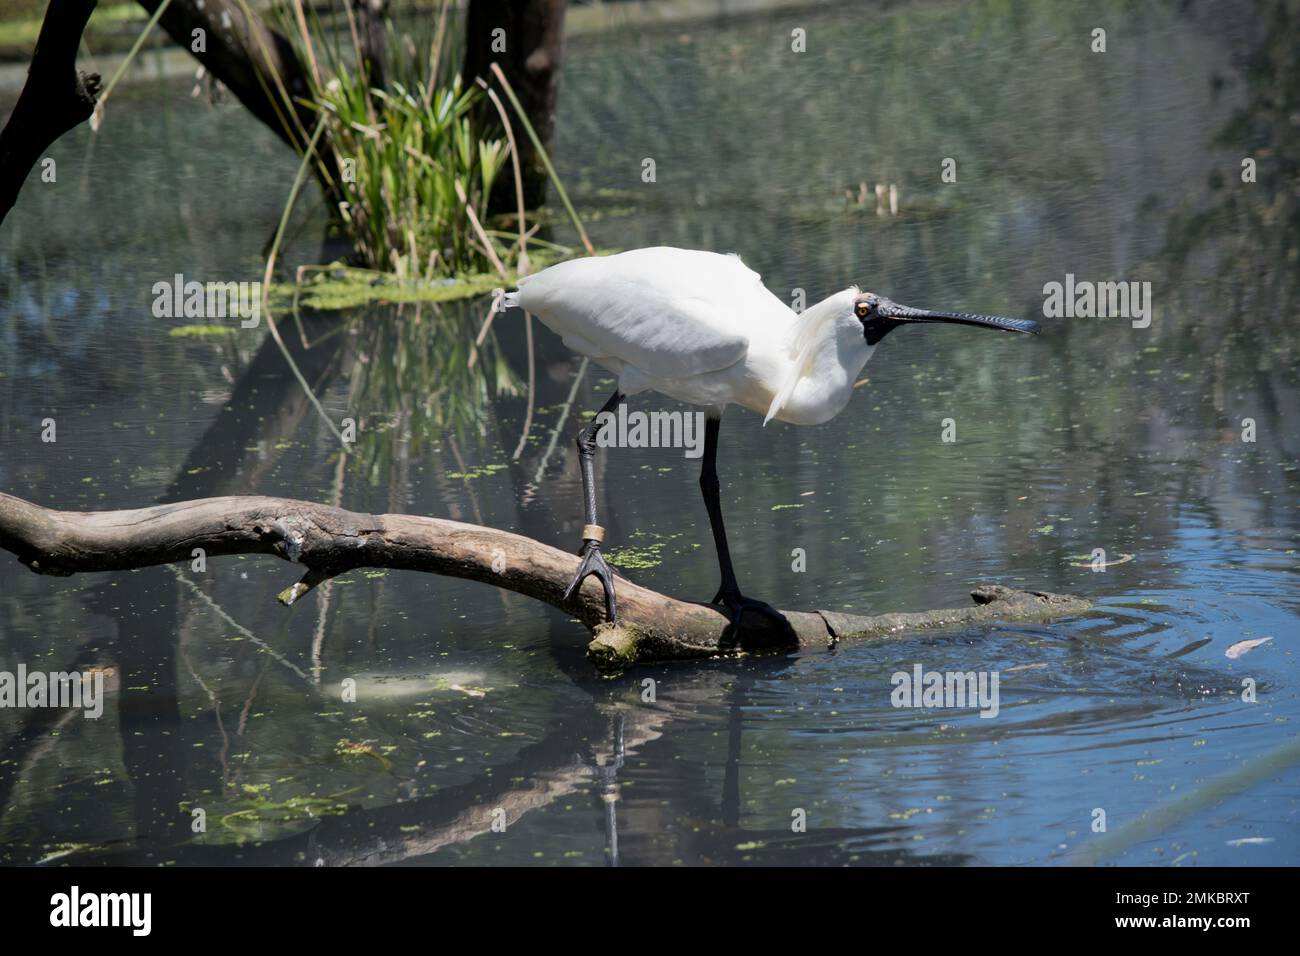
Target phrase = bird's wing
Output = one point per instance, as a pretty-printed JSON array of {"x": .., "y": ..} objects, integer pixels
[{"x": 672, "y": 313}]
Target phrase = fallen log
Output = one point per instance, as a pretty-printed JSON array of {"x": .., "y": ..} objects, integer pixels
[{"x": 330, "y": 541}]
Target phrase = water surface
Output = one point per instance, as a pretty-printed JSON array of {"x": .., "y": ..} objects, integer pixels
[{"x": 1122, "y": 166}]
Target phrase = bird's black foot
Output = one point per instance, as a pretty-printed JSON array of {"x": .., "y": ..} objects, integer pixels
[
  {"x": 593, "y": 562},
  {"x": 769, "y": 626}
]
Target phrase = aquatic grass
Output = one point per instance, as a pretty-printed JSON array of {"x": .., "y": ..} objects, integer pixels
[
  {"x": 412, "y": 177},
  {"x": 408, "y": 164},
  {"x": 409, "y": 155},
  {"x": 415, "y": 379},
  {"x": 565, "y": 409},
  {"x": 413, "y": 172}
]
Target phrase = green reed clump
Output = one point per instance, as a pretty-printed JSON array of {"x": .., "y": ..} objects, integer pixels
[
  {"x": 410, "y": 168},
  {"x": 400, "y": 153}
]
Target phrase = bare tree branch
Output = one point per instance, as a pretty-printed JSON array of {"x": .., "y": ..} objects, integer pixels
[{"x": 55, "y": 99}]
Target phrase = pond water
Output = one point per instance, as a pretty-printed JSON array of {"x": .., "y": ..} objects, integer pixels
[{"x": 1122, "y": 166}]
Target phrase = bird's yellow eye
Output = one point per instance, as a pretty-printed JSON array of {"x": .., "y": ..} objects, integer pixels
[{"x": 863, "y": 310}]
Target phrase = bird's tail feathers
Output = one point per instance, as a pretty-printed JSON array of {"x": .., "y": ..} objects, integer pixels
[
  {"x": 805, "y": 337},
  {"x": 511, "y": 300}
]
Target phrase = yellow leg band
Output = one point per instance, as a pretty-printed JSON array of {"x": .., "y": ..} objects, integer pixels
[{"x": 593, "y": 532}]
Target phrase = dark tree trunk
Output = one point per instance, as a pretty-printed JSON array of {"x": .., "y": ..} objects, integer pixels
[
  {"x": 247, "y": 56},
  {"x": 533, "y": 36},
  {"x": 55, "y": 98}
]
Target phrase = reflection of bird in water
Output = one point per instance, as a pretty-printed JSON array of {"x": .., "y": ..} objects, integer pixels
[{"x": 606, "y": 775}]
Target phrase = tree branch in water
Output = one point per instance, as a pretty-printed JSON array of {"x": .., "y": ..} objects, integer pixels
[{"x": 330, "y": 541}]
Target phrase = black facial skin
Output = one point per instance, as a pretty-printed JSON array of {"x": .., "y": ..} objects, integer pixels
[{"x": 874, "y": 325}]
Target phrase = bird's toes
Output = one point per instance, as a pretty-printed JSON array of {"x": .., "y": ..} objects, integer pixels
[{"x": 593, "y": 563}]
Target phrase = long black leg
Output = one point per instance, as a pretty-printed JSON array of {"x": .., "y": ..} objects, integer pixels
[
  {"x": 593, "y": 562},
  {"x": 729, "y": 592},
  {"x": 711, "y": 489}
]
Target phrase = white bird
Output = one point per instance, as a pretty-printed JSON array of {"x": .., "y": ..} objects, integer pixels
[{"x": 702, "y": 328}]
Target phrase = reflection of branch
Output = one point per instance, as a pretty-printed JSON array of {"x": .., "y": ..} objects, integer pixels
[
  {"x": 464, "y": 470},
  {"x": 266, "y": 285},
  {"x": 225, "y": 616},
  {"x": 37, "y": 740},
  {"x": 327, "y": 588},
  {"x": 26, "y": 745},
  {"x": 329, "y": 541},
  {"x": 469, "y": 489},
  {"x": 559, "y": 425},
  {"x": 532, "y": 387},
  {"x": 224, "y": 756},
  {"x": 252, "y": 696},
  {"x": 540, "y": 774},
  {"x": 479, "y": 339},
  {"x": 536, "y": 791}
]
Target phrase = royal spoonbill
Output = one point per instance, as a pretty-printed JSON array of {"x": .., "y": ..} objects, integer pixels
[{"x": 701, "y": 327}]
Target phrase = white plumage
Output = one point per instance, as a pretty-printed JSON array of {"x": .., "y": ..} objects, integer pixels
[{"x": 702, "y": 328}]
